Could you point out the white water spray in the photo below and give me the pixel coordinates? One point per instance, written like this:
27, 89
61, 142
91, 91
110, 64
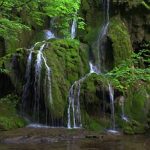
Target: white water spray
123, 116
74, 106
111, 94
49, 34
73, 28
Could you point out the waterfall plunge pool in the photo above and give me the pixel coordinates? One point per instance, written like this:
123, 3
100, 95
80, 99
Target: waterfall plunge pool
64, 139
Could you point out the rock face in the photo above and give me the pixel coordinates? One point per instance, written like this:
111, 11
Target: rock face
120, 39
128, 29
136, 17
68, 61
91, 11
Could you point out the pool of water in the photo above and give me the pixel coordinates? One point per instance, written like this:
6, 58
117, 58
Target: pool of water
125, 143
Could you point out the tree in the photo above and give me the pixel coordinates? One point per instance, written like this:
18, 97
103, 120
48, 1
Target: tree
12, 18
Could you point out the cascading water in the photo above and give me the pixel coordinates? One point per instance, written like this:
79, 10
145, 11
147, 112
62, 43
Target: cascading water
35, 83
101, 66
111, 94
27, 78
48, 80
123, 116
102, 36
49, 34
100, 49
73, 28
93, 68
74, 103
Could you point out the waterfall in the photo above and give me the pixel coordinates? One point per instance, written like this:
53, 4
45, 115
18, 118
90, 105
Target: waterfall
73, 28
40, 59
39, 100
48, 73
93, 68
27, 78
74, 104
37, 84
101, 56
74, 111
49, 34
102, 36
111, 94
123, 116
100, 49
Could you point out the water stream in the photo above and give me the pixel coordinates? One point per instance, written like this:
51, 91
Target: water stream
98, 68
38, 84
111, 94
99, 46
73, 28
74, 104
102, 56
123, 116
74, 113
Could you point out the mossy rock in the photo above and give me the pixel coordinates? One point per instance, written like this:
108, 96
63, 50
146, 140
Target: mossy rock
68, 60
9, 119
120, 38
94, 123
133, 127
93, 84
136, 108
12, 69
92, 13
136, 104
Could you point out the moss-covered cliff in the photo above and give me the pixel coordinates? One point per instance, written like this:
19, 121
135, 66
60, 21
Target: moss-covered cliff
68, 59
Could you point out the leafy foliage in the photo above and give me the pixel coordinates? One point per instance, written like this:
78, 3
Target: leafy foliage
64, 12
131, 71
9, 29
17, 15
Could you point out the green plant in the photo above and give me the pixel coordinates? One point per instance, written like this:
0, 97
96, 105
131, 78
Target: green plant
130, 72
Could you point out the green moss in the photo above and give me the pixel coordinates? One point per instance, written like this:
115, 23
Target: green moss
136, 109
67, 64
22, 40
93, 15
8, 115
135, 105
94, 123
13, 66
91, 86
133, 127
92, 34
121, 43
